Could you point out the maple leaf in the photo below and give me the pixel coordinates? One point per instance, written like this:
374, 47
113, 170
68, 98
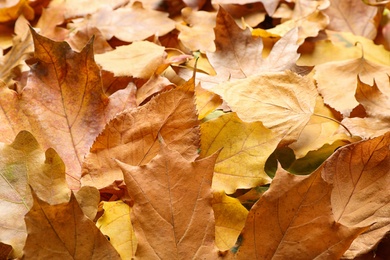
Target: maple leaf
282, 101
172, 196
63, 231
352, 16
345, 77
238, 54
115, 223
131, 136
360, 176
246, 147
291, 217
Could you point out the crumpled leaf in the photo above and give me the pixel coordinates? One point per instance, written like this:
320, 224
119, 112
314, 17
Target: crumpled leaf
230, 216
172, 198
132, 136
291, 217
139, 59
115, 223
246, 147
282, 101
129, 24
360, 174
62, 231
353, 16
238, 54
197, 25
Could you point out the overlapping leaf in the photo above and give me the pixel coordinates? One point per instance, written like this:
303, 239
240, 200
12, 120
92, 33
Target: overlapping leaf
131, 137
245, 149
172, 198
282, 101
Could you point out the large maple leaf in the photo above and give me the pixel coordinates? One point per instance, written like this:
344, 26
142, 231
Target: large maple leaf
172, 198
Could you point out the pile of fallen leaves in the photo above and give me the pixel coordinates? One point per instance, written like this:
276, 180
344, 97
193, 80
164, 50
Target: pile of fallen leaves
194, 129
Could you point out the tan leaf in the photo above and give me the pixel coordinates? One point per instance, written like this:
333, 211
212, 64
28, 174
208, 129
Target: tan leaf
172, 198
282, 101
269, 5
197, 25
76, 8
130, 23
140, 59
206, 101
88, 199
353, 16
63, 232
246, 147
338, 90
376, 101
131, 137
291, 217
239, 55
367, 127
360, 174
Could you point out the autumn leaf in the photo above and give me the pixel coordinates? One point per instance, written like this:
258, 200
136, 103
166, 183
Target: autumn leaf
132, 136
345, 77
282, 101
173, 195
235, 60
132, 23
139, 59
115, 223
360, 175
245, 149
198, 25
291, 217
230, 216
351, 16
11, 10
62, 231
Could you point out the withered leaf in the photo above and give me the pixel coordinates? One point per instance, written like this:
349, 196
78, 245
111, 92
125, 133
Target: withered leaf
172, 198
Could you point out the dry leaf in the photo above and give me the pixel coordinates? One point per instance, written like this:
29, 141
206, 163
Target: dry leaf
360, 174
129, 24
269, 5
197, 25
131, 137
339, 90
353, 16
140, 59
245, 149
282, 101
115, 223
230, 218
10, 10
291, 217
63, 232
172, 198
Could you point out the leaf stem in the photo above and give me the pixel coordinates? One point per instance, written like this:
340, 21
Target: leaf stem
334, 120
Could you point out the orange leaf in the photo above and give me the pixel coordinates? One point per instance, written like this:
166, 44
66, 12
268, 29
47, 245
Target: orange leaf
172, 198
131, 137
360, 174
63, 232
291, 218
